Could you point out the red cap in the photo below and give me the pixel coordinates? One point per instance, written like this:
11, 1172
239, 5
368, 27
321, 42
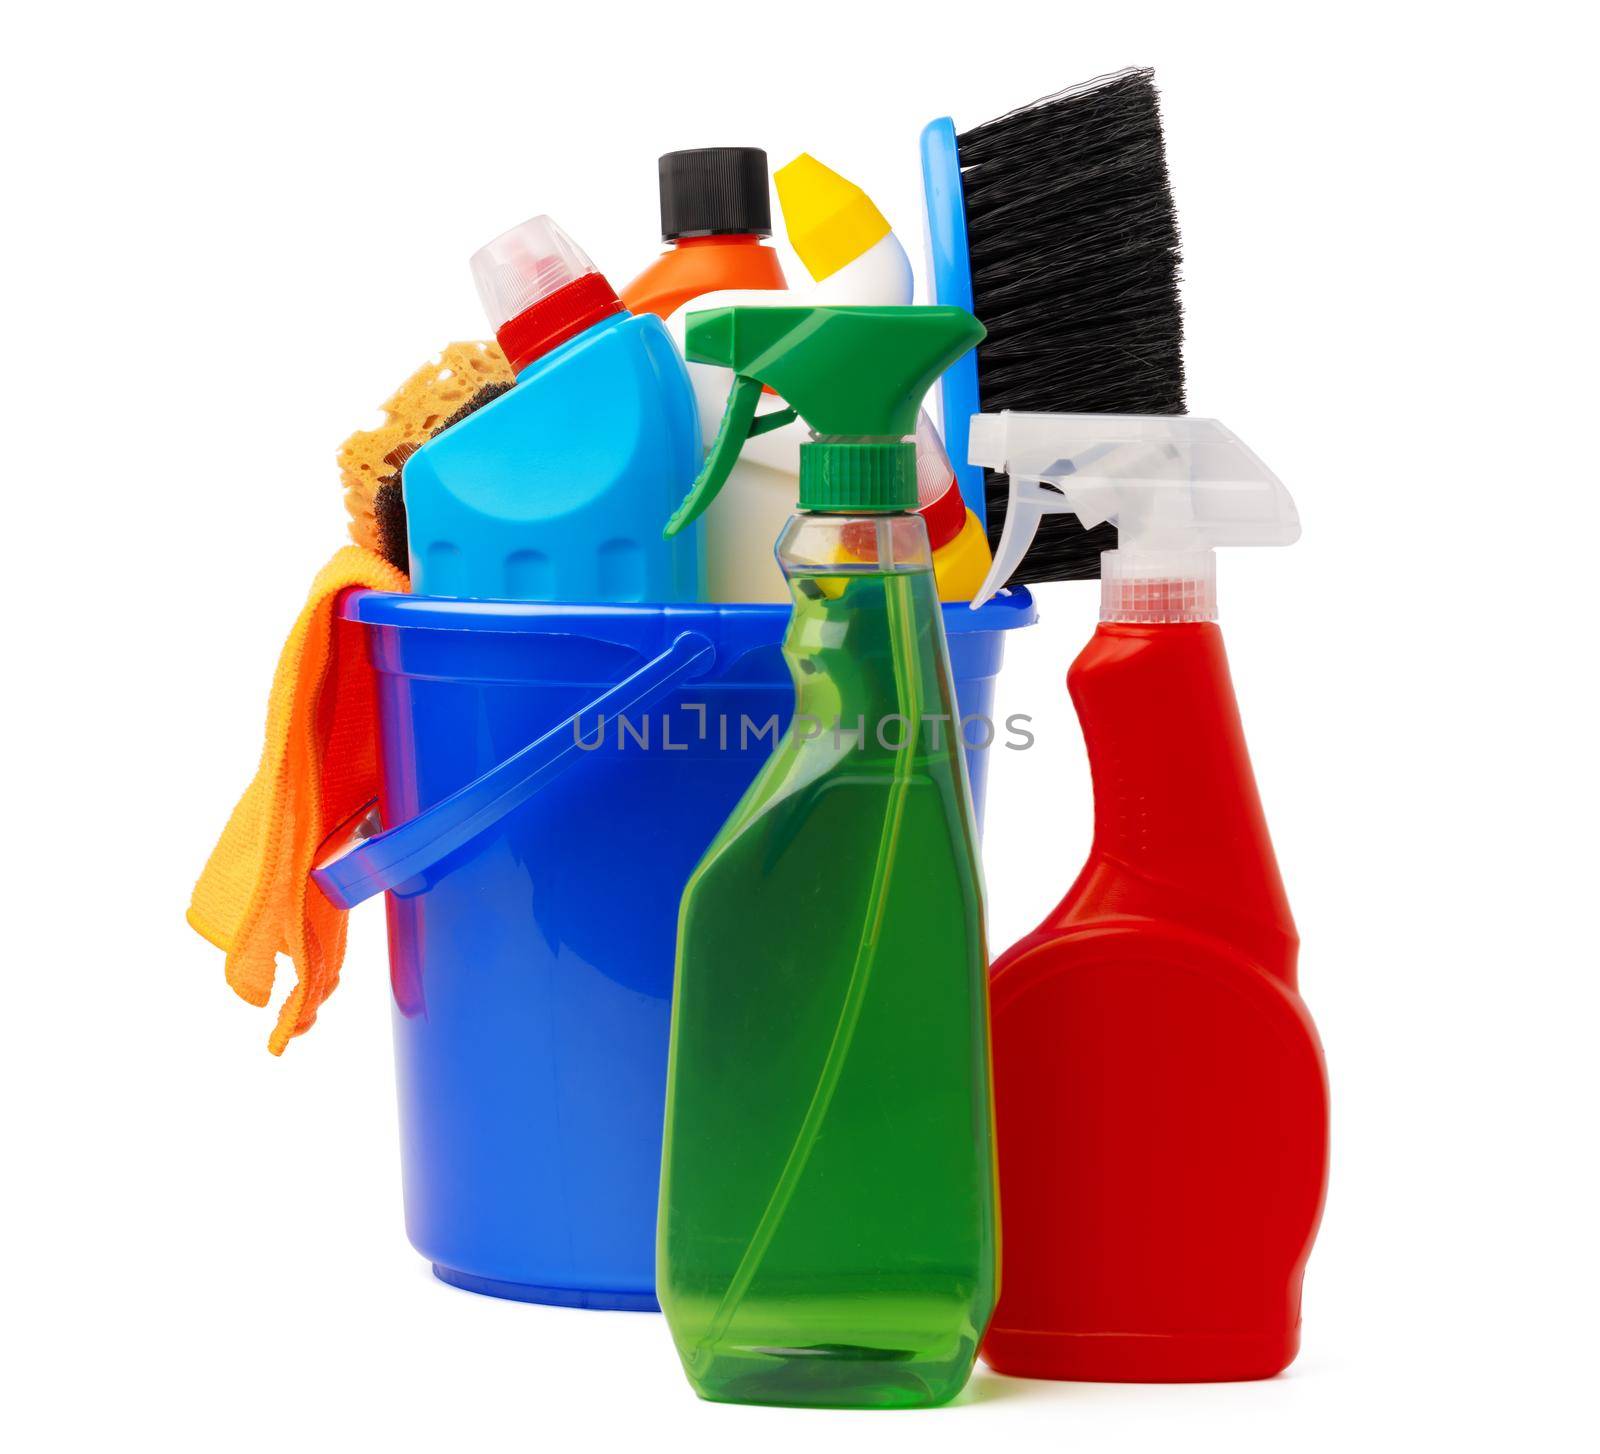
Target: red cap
539, 289
939, 500
945, 517
552, 321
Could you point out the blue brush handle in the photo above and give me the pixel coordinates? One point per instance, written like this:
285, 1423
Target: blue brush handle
399, 859
950, 276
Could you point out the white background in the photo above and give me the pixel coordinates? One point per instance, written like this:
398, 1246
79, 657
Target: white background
233, 229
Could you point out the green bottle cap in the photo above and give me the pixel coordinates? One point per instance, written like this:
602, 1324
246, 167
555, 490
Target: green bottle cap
857, 376
858, 478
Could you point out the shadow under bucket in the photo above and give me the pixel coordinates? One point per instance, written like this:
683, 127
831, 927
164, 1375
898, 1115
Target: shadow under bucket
534, 873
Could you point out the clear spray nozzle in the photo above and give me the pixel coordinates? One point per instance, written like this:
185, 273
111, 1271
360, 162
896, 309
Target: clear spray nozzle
1175, 486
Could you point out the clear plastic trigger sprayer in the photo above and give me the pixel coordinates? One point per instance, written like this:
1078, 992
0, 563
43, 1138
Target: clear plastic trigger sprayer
1175, 486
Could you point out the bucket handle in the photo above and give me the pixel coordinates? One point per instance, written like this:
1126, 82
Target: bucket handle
398, 860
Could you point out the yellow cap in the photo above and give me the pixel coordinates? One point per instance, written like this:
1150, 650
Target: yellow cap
830, 221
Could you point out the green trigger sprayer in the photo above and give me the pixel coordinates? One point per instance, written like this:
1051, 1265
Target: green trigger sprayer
827, 1227
857, 376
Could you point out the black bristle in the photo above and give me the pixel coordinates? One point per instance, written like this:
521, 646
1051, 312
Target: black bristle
389, 516
485, 395
389, 503
1072, 239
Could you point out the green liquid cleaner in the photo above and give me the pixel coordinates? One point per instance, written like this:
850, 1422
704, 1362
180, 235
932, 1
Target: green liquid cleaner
828, 1217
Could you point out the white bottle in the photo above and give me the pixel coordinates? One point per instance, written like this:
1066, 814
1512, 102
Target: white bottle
854, 259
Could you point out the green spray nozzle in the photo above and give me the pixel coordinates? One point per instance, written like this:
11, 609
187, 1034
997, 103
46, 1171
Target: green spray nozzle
857, 376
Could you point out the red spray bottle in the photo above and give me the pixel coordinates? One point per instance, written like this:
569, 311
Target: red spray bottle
1161, 1104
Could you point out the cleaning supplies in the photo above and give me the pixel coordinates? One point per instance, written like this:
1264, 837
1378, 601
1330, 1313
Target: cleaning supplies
827, 1226
1160, 1099
553, 491
853, 258
1055, 225
714, 214
462, 379
318, 772
961, 557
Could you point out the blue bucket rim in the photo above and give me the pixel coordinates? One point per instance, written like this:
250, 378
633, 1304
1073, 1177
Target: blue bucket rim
1004, 612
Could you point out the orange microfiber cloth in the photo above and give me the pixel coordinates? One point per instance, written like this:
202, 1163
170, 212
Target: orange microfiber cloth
319, 769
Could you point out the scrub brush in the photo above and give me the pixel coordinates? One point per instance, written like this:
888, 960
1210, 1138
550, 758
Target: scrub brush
1055, 225
462, 379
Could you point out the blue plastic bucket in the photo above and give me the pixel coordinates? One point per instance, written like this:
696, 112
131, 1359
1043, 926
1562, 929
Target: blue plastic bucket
534, 873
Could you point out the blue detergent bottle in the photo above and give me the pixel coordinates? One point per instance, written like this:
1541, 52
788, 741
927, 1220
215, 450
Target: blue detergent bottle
556, 490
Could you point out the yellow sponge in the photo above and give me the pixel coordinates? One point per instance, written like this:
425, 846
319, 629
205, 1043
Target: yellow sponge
830, 221
371, 458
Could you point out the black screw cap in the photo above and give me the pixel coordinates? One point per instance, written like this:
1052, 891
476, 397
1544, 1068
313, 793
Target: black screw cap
715, 189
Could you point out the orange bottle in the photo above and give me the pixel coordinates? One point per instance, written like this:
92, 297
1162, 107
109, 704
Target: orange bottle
715, 211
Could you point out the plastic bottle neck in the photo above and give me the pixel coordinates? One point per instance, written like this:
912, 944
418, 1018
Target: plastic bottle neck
1158, 587
832, 543
1179, 830
716, 239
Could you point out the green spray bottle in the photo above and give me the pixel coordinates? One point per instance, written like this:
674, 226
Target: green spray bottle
827, 1233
